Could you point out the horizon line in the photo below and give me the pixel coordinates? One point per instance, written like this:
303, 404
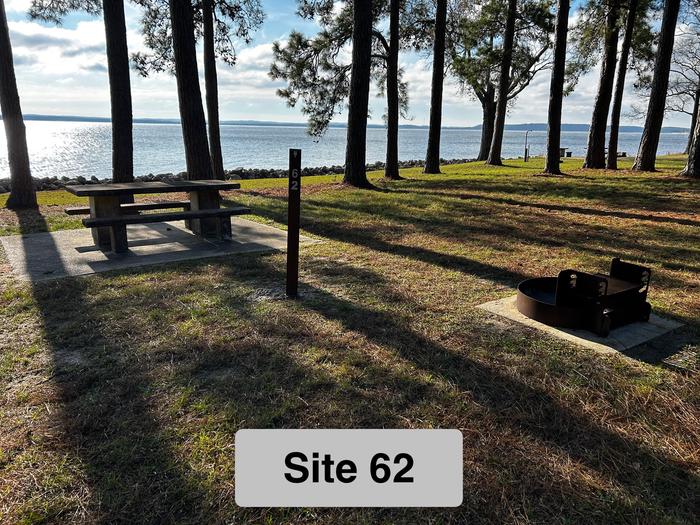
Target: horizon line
253, 122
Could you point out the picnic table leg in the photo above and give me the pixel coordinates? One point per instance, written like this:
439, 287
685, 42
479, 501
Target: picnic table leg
205, 200
224, 228
103, 206
117, 238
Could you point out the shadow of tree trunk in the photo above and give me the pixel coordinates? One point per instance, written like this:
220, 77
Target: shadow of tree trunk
106, 418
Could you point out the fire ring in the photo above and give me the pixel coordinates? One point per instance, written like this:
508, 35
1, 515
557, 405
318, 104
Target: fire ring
581, 300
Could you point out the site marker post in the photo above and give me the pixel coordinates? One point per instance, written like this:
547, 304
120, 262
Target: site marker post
294, 210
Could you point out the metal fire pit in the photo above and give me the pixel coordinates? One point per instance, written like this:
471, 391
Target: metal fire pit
594, 302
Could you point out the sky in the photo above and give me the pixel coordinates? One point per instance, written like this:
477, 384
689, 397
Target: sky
62, 71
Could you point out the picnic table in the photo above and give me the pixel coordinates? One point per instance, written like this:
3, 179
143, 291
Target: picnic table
109, 215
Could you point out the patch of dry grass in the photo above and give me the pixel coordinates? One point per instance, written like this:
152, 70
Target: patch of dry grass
122, 392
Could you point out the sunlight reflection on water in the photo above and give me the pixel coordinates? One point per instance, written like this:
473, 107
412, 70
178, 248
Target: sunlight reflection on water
83, 148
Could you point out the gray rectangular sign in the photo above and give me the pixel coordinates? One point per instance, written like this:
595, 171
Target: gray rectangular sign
349, 468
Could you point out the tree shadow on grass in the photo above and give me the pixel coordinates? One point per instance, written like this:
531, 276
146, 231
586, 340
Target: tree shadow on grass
649, 485
524, 204
578, 209
371, 239
106, 421
581, 210
495, 233
317, 220
451, 223
514, 432
617, 196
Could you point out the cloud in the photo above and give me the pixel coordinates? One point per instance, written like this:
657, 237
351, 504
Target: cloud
62, 70
17, 6
23, 60
255, 58
61, 52
95, 68
87, 50
36, 40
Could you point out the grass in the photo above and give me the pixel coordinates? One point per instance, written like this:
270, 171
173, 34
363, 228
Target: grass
123, 391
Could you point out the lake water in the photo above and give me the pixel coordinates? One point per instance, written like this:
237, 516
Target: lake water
82, 148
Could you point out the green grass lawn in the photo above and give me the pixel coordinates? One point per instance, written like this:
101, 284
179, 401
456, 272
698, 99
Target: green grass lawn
122, 391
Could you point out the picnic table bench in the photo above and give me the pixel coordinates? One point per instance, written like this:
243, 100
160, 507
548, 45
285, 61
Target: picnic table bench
109, 216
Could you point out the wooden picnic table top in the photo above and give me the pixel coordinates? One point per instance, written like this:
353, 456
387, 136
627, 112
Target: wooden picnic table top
131, 188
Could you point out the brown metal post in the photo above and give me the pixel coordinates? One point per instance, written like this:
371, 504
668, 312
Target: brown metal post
294, 210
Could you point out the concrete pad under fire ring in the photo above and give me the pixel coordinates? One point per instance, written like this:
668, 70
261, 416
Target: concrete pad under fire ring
619, 340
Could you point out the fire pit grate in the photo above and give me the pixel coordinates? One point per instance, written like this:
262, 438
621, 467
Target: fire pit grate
594, 302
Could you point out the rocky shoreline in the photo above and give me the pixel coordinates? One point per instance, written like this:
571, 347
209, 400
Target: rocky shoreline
57, 183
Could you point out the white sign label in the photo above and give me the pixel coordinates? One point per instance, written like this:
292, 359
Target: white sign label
349, 468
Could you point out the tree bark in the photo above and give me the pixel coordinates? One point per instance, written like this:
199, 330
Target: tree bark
556, 89
595, 154
693, 120
356, 149
692, 169
620, 84
432, 156
212, 89
194, 128
22, 192
488, 109
646, 156
391, 169
494, 157
119, 91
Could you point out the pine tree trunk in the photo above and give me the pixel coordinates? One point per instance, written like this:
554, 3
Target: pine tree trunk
119, 91
556, 90
22, 192
620, 85
355, 151
391, 169
432, 156
194, 128
212, 89
595, 154
692, 169
646, 156
694, 120
488, 109
494, 157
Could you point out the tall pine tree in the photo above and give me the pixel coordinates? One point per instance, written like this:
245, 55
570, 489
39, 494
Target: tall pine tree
222, 24
646, 156
194, 130
556, 90
118, 71
432, 156
494, 157
22, 192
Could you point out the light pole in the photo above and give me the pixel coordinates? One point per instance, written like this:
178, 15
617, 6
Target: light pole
527, 151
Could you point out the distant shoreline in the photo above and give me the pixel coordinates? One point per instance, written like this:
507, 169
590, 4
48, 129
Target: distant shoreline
537, 126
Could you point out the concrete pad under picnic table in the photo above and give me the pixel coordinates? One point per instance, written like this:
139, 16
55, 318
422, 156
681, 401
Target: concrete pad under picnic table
619, 340
40, 256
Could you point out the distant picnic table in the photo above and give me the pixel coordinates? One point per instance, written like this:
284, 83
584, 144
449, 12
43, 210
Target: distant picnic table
109, 215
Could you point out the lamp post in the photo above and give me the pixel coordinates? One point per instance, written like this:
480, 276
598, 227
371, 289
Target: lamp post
527, 151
